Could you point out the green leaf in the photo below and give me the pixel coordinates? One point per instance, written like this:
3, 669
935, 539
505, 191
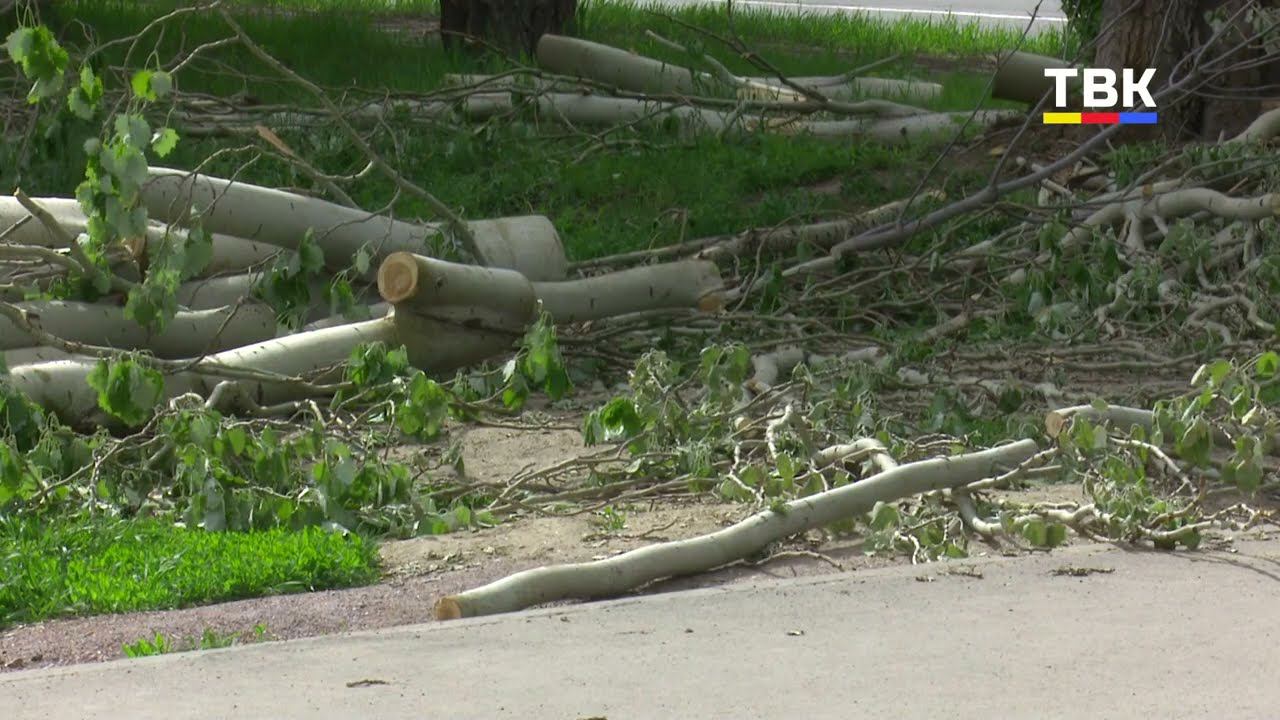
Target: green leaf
84, 98
141, 84
362, 260
20, 44
164, 141
310, 256
154, 302
621, 419
237, 439
884, 516
161, 83
1036, 532
134, 131
1267, 365
1055, 535
126, 389
424, 412
42, 59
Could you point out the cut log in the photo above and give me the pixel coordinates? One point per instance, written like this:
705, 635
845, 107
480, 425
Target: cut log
618, 574
604, 111
902, 130
838, 87
463, 294
469, 295
620, 69
1020, 77
188, 334
686, 284
280, 218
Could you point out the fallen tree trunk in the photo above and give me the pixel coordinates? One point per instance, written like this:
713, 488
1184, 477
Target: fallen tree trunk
62, 386
1055, 421
619, 68
605, 111
839, 87
230, 254
624, 572
529, 244
498, 298
903, 130
188, 334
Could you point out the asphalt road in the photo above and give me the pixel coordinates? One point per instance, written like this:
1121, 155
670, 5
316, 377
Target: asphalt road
984, 11
1136, 635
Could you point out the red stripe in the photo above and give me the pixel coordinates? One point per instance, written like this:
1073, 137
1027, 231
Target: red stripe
1099, 118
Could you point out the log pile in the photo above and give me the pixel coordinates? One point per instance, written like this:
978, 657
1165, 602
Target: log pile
447, 314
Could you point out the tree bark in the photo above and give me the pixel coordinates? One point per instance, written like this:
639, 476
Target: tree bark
1161, 33
620, 573
1234, 99
1156, 34
511, 25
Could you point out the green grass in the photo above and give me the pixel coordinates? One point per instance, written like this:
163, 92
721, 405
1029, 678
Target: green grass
71, 567
766, 28
210, 639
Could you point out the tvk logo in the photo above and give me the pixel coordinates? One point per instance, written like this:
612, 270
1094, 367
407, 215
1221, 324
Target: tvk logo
1099, 90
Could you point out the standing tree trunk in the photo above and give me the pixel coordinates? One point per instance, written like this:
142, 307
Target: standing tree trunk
1152, 34
511, 25
1160, 33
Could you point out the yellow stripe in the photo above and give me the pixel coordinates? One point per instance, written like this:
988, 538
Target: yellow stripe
1060, 118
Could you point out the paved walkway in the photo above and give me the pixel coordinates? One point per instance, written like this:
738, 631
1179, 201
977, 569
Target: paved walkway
1159, 635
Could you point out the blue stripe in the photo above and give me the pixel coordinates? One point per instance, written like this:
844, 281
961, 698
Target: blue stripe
1138, 118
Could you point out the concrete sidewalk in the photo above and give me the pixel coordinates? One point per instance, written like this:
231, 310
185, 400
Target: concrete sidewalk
1191, 635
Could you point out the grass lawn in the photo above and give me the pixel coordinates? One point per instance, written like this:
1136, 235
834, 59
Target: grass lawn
73, 567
